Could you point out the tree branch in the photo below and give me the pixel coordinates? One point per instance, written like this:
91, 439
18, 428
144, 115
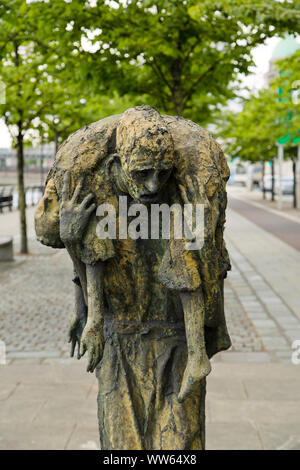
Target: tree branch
160, 73
188, 93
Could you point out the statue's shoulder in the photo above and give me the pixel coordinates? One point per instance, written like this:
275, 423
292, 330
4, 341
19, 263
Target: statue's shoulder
197, 152
83, 151
85, 148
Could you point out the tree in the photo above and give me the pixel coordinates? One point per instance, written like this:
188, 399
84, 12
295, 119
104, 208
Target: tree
184, 57
287, 85
251, 134
22, 70
40, 97
267, 118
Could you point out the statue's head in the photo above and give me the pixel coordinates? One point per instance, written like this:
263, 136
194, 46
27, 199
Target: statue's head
47, 217
146, 152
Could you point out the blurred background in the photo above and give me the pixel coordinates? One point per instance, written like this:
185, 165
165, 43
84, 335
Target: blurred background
231, 66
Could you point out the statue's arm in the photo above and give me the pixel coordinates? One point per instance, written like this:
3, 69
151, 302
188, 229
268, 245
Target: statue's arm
198, 365
203, 302
92, 338
74, 218
80, 317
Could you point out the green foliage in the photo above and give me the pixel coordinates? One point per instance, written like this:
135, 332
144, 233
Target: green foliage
287, 86
181, 56
47, 95
21, 67
250, 133
184, 57
271, 114
71, 112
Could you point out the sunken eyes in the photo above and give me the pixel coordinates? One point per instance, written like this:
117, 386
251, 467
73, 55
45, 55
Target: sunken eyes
142, 175
163, 174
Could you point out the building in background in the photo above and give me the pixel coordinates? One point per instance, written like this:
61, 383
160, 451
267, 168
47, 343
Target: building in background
37, 163
35, 158
285, 48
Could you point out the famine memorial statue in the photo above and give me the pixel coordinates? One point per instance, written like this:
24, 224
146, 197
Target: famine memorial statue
149, 306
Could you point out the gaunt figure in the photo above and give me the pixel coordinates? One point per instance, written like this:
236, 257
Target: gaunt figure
149, 311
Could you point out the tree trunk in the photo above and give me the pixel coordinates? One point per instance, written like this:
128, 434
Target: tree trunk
21, 191
273, 181
20, 151
177, 102
177, 96
56, 143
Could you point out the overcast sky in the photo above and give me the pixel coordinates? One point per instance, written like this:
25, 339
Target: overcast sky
261, 54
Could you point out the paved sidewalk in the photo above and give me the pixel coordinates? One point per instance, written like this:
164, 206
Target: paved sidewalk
266, 279
249, 406
49, 406
253, 406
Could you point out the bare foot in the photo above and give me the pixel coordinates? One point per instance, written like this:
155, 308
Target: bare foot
194, 372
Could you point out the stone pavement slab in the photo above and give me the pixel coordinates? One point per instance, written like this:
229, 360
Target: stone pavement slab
44, 406
278, 389
258, 411
222, 436
249, 406
285, 436
25, 436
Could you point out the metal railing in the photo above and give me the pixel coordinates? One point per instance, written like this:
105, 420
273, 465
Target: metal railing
9, 196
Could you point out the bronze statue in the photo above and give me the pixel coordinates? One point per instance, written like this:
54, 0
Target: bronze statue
149, 312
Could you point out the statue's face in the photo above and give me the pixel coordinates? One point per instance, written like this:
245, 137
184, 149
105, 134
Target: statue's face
146, 151
47, 217
49, 205
145, 180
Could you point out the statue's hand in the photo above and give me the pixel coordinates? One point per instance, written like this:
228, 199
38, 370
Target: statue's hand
195, 371
75, 333
191, 191
92, 342
74, 216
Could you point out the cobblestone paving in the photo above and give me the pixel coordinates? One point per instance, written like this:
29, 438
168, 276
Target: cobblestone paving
36, 305
243, 335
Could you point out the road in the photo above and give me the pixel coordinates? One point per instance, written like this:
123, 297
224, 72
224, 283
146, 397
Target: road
286, 230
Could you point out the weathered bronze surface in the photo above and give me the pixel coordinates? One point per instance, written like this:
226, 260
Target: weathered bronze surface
149, 312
